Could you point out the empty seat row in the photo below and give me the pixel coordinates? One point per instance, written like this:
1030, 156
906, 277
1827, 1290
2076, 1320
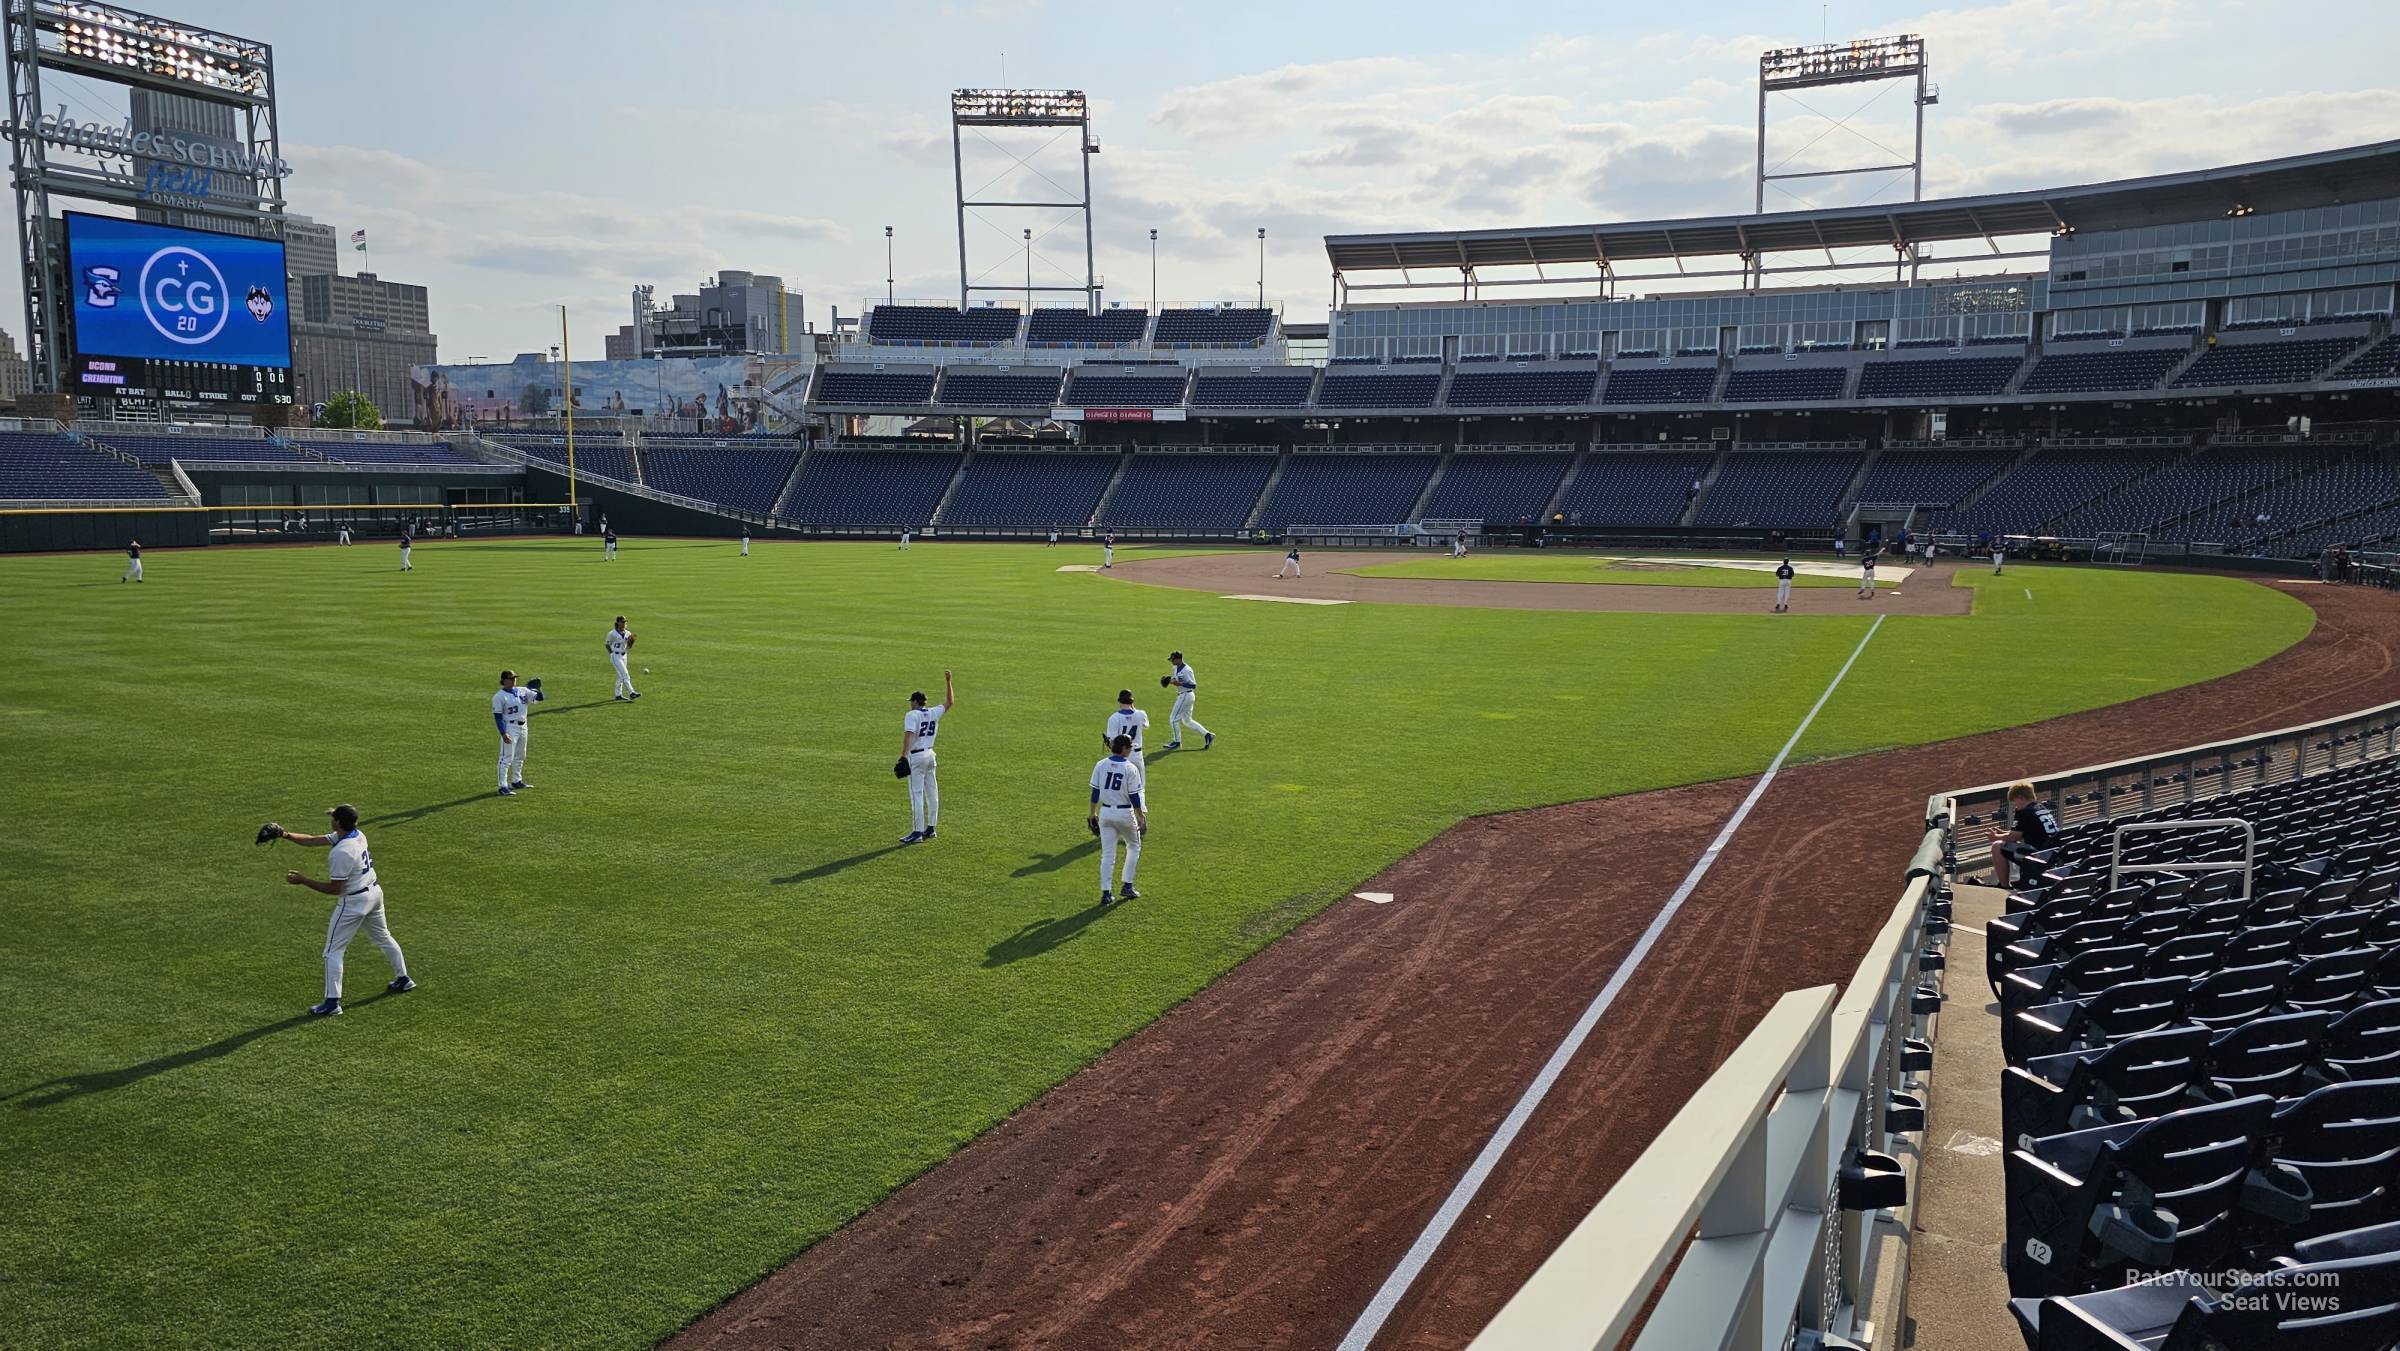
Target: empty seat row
1002, 488
912, 324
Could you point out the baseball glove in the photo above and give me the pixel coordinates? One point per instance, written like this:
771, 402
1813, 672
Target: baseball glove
1093, 822
900, 768
1164, 681
267, 832
534, 684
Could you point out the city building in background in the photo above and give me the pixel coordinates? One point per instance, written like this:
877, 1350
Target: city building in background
13, 377
736, 313
349, 332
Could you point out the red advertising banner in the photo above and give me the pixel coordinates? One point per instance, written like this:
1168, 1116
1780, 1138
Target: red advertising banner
1116, 414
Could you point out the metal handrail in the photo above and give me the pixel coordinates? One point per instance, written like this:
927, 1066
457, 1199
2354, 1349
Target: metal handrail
2117, 865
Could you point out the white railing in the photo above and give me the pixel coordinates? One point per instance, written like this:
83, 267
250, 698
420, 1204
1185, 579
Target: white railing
2118, 867
643, 490
2180, 777
1775, 1171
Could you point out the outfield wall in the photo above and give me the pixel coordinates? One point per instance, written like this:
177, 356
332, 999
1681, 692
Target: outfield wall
58, 530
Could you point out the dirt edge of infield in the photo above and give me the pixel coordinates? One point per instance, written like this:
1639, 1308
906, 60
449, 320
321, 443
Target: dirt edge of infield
1247, 1169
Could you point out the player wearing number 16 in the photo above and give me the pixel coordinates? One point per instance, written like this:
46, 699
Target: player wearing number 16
1118, 817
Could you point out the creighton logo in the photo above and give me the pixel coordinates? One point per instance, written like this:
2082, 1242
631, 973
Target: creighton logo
183, 295
100, 287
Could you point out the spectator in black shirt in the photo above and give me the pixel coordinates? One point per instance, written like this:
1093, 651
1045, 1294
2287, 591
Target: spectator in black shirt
2035, 829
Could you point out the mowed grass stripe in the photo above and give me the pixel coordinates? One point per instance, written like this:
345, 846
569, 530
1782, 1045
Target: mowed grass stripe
684, 1009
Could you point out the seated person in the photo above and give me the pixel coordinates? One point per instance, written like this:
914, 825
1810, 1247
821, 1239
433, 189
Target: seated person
2035, 829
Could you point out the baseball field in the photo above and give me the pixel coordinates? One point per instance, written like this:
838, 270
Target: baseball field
686, 1005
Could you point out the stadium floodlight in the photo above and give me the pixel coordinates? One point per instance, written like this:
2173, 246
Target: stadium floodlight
1002, 110
1782, 70
146, 49
1020, 107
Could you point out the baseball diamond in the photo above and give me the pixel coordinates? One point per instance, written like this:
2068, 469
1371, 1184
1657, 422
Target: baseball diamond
1810, 762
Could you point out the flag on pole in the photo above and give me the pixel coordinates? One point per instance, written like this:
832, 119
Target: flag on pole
358, 240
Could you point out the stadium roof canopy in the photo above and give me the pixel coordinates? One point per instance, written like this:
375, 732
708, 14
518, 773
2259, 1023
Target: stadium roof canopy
2324, 178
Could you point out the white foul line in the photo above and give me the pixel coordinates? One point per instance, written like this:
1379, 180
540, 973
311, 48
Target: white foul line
1387, 1298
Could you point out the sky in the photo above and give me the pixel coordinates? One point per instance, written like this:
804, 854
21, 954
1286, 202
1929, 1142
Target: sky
516, 157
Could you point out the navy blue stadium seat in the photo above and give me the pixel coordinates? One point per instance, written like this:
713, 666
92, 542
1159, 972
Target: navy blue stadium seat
44, 466
1212, 328
898, 488
1343, 389
1125, 391
938, 324
1074, 328
1264, 389
2115, 369
375, 452
2265, 363
1194, 491
848, 388
1671, 384
1497, 487
1355, 489
1937, 378
745, 479
1559, 388
1632, 488
1030, 489
1788, 488
1792, 384
601, 457
2378, 362
1933, 476
1017, 389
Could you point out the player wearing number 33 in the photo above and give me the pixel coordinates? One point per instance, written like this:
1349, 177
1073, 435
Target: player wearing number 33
1118, 817
358, 902
509, 713
917, 730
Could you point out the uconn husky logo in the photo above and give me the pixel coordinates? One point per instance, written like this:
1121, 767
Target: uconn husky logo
183, 295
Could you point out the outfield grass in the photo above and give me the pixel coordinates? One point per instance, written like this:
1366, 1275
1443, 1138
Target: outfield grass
1588, 568
685, 1008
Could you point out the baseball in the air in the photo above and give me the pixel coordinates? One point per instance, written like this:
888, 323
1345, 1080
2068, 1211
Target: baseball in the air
645, 670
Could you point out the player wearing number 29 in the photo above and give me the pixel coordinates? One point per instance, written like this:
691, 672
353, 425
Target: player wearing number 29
917, 729
1187, 691
620, 646
1118, 817
358, 903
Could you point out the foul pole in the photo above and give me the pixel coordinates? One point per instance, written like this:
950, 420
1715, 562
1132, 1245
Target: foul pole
566, 361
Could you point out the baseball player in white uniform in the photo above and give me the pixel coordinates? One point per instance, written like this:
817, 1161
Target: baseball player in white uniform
1999, 556
620, 646
509, 713
745, 541
1187, 689
904, 536
133, 562
345, 534
405, 565
1291, 563
917, 731
358, 904
608, 544
1108, 550
1127, 721
1866, 574
1783, 586
1118, 817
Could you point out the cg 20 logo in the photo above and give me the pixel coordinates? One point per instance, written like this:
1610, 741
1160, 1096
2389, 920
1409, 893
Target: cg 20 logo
186, 304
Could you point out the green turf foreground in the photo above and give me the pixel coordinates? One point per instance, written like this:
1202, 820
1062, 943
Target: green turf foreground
1545, 566
685, 1006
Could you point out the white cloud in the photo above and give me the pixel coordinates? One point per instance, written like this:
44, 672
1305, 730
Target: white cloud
1255, 105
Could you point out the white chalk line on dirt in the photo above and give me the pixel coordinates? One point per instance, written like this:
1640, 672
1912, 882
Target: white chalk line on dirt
1395, 1286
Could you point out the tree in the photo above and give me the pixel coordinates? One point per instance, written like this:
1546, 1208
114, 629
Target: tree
349, 408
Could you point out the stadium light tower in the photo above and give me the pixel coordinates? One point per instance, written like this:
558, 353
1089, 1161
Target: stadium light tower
1858, 61
1056, 111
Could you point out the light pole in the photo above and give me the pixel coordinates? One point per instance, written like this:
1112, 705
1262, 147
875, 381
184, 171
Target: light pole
887, 264
1262, 267
1154, 269
1029, 270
